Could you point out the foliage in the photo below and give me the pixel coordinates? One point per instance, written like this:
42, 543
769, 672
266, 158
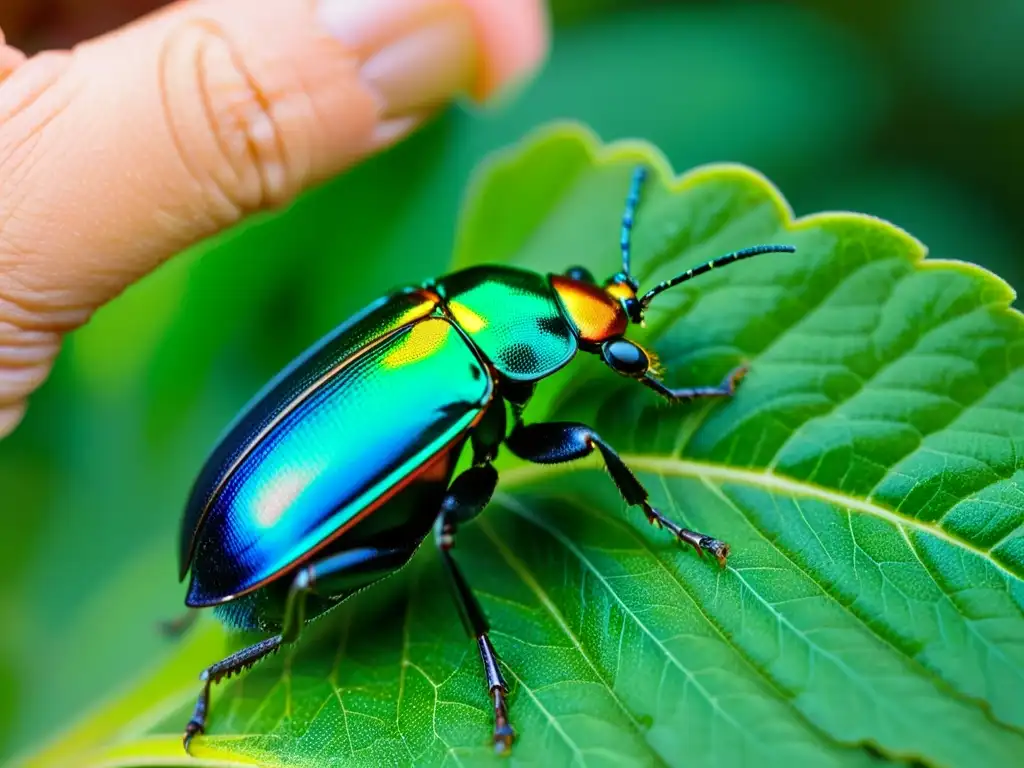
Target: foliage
866, 475
908, 109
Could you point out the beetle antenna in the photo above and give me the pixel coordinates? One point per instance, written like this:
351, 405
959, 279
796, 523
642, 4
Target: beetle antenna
628, 216
721, 261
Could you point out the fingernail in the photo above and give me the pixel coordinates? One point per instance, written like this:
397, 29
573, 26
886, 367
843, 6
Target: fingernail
388, 132
416, 55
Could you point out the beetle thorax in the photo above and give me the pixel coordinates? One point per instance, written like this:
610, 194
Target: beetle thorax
597, 315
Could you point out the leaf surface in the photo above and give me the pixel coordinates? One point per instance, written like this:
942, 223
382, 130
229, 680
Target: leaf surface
867, 476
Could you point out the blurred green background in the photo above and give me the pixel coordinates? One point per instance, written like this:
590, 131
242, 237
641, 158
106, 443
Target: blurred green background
912, 110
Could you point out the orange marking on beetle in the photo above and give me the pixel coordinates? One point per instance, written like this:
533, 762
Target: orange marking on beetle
620, 291
596, 314
438, 470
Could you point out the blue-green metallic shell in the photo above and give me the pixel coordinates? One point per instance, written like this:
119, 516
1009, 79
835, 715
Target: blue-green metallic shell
403, 520
338, 450
238, 439
513, 316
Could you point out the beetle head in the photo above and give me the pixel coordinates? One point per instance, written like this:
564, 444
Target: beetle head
623, 287
602, 314
627, 357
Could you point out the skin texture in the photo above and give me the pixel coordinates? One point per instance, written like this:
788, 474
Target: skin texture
188, 119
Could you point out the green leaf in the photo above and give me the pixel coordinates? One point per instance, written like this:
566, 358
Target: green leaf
867, 475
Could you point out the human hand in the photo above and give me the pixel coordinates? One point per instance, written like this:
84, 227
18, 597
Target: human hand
128, 148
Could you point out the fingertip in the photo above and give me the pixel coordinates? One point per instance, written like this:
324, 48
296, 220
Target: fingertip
514, 36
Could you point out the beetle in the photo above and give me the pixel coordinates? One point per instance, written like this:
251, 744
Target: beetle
333, 475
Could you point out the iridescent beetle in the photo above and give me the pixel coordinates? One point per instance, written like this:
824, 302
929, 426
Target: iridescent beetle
335, 473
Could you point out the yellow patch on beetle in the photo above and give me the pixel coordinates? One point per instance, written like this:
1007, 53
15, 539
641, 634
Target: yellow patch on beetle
467, 319
421, 341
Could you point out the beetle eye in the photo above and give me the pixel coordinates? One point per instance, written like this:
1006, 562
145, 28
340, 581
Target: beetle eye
580, 273
625, 357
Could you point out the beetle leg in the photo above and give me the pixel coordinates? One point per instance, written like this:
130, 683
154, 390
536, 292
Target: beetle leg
489, 433
518, 395
340, 572
553, 443
726, 389
467, 496
478, 627
236, 662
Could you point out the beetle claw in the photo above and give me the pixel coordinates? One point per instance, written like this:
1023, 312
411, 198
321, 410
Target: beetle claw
653, 516
699, 541
503, 737
503, 733
191, 730
717, 548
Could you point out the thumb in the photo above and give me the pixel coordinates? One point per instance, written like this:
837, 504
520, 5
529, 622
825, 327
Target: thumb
129, 148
